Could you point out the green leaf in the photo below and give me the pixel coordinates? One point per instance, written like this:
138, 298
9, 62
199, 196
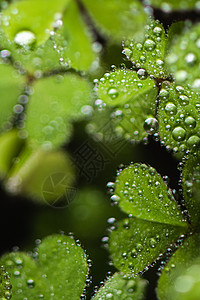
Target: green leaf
133, 100
5, 286
183, 58
178, 269
179, 122
55, 103
149, 54
117, 19
78, 51
30, 22
169, 5
141, 192
45, 176
191, 188
137, 243
119, 288
11, 86
58, 273
10, 145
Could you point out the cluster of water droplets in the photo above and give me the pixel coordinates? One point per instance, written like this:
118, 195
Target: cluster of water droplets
149, 54
179, 118
183, 58
5, 285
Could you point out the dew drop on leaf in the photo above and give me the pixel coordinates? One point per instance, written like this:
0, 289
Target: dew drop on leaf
25, 38
179, 134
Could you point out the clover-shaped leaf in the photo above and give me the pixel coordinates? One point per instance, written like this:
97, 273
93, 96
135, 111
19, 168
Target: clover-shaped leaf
149, 54
180, 275
179, 121
119, 288
55, 103
5, 285
155, 221
11, 85
58, 272
191, 188
132, 97
183, 57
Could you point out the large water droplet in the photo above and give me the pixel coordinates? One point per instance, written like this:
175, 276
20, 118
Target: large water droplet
25, 38
179, 134
171, 108
113, 93
149, 45
151, 125
190, 122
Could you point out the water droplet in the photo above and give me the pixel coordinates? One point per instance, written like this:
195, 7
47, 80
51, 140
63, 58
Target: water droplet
115, 198
113, 93
178, 134
190, 59
193, 141
149, 45
30, 283
139, 247
152, 243
151, 125
190, 122
134, 253
25, 38
157, 31
171, 108
164, 94
141, 73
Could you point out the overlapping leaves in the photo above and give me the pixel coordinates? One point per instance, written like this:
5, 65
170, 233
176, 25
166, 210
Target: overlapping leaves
155, 223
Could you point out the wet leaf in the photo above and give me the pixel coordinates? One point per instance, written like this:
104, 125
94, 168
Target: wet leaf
137, 243
45, 176
149, 54
119, 288
141, 192
183, 58
180, 275
11, 85
133, 102
5, 285
55, 103
179, 121
169, 5
117, 19
191, 188
30, 22
59, 272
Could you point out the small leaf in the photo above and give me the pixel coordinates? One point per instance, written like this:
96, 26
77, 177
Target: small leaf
117, 19
172, 277
133, 100
179, 121
55, 103
30, 22
183, 58
191, 188
58, 273
142, 193
119, 288
169, 5
45, 176
137, 243
149, 54
5, 285
11, 86
78, 52
10, 145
